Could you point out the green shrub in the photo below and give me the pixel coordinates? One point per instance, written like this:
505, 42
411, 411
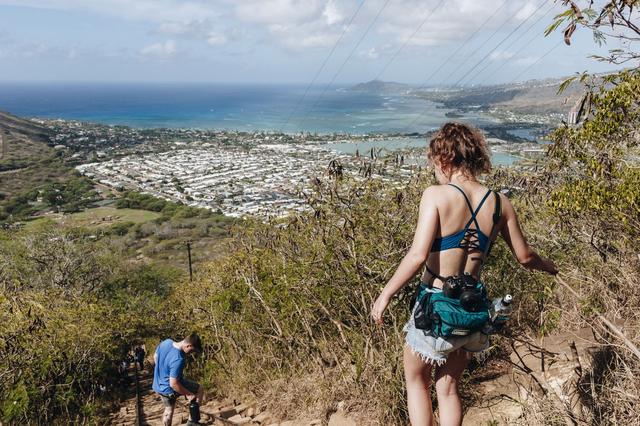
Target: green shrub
70, 309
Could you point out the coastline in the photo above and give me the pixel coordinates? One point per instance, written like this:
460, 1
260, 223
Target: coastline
239, 173
259, 170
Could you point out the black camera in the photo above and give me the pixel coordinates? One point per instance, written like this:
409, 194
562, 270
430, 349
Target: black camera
465, 288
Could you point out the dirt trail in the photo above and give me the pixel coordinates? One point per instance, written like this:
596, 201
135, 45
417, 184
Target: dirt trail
214, 412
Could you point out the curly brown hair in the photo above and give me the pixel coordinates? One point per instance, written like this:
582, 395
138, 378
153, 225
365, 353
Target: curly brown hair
460, 146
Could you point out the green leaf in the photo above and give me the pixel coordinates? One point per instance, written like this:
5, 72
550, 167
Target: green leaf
563, 86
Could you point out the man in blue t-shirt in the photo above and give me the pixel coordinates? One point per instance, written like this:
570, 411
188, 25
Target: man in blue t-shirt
169, 361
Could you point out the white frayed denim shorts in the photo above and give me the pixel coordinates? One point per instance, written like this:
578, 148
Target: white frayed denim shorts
433, 349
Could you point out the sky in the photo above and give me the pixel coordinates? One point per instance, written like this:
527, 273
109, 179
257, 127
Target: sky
429, 42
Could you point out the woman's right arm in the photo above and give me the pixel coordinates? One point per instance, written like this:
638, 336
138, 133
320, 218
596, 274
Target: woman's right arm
512, 234
417, 255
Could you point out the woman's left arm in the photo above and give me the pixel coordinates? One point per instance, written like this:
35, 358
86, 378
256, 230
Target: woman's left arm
417, 255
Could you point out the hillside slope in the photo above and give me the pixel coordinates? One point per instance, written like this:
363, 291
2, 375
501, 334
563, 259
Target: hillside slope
10, 123
27, 159
23, 143
533, 97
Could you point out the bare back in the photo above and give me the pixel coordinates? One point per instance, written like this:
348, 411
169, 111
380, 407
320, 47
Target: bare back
453, 214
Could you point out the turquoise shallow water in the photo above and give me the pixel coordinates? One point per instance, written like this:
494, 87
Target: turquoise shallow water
235, 107
225, 106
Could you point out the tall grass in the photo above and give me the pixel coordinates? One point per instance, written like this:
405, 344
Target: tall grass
286, 313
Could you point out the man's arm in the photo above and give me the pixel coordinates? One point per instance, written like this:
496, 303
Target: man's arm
177, 386
175, 371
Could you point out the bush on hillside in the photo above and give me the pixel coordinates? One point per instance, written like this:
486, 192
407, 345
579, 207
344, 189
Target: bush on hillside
70, 309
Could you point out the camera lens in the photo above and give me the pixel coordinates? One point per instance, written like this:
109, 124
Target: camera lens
452, 287
471, 300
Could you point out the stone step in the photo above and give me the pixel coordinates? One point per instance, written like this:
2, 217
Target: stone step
239, 419
262, 418
225, 412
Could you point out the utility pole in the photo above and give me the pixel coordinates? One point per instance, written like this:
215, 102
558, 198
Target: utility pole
190, 267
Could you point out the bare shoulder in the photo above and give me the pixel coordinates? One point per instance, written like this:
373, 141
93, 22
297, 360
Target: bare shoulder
507, 207
435, 190
434, 193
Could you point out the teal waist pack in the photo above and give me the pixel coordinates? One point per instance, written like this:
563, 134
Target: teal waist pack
444, 316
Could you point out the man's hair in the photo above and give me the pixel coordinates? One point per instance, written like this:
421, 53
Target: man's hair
460, 146
194, 339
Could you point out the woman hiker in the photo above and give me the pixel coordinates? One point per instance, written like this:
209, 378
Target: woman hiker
458, 221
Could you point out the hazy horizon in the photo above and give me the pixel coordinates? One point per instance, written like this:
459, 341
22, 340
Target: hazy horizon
287, 41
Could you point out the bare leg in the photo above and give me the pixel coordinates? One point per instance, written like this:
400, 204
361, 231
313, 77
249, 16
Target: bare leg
447, 377
167, 417
200, 395
418, 377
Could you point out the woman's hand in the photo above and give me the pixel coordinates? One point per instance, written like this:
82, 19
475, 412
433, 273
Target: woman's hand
379, 307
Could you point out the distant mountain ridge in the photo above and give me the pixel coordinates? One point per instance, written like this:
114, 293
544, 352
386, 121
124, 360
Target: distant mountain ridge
10, 124
529, 97
27, 158
532, 96
379, 86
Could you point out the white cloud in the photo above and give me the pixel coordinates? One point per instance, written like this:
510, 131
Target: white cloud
15, 48
31, 50
372, 53
160, 50
175, 28
297, 24
501, 55
526, 10
296, 38
292, 12
216, 39
206, 31
332, 13
452, 20
526, 61
146, 10
301, 24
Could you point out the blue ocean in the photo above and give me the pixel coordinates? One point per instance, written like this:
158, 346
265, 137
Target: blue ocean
225, 106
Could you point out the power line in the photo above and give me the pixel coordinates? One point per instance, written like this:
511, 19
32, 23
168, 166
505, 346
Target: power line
460, 47
499, 44
463, 44
333, 79
415, 120
536, 62
408, 40
324, 63
506, 49
404, 44
486, 41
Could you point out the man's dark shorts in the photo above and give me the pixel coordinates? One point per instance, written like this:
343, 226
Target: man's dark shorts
170, 400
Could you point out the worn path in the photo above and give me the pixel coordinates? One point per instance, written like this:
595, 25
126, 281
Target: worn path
214, 412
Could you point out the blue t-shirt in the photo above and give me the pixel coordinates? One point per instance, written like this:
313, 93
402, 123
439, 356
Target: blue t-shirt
169, 364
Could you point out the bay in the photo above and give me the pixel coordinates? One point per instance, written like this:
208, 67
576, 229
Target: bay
246, 107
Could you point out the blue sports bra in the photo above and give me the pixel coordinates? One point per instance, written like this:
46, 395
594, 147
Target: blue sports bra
467, 238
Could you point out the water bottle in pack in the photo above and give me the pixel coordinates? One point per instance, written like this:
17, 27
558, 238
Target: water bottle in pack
501, 310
